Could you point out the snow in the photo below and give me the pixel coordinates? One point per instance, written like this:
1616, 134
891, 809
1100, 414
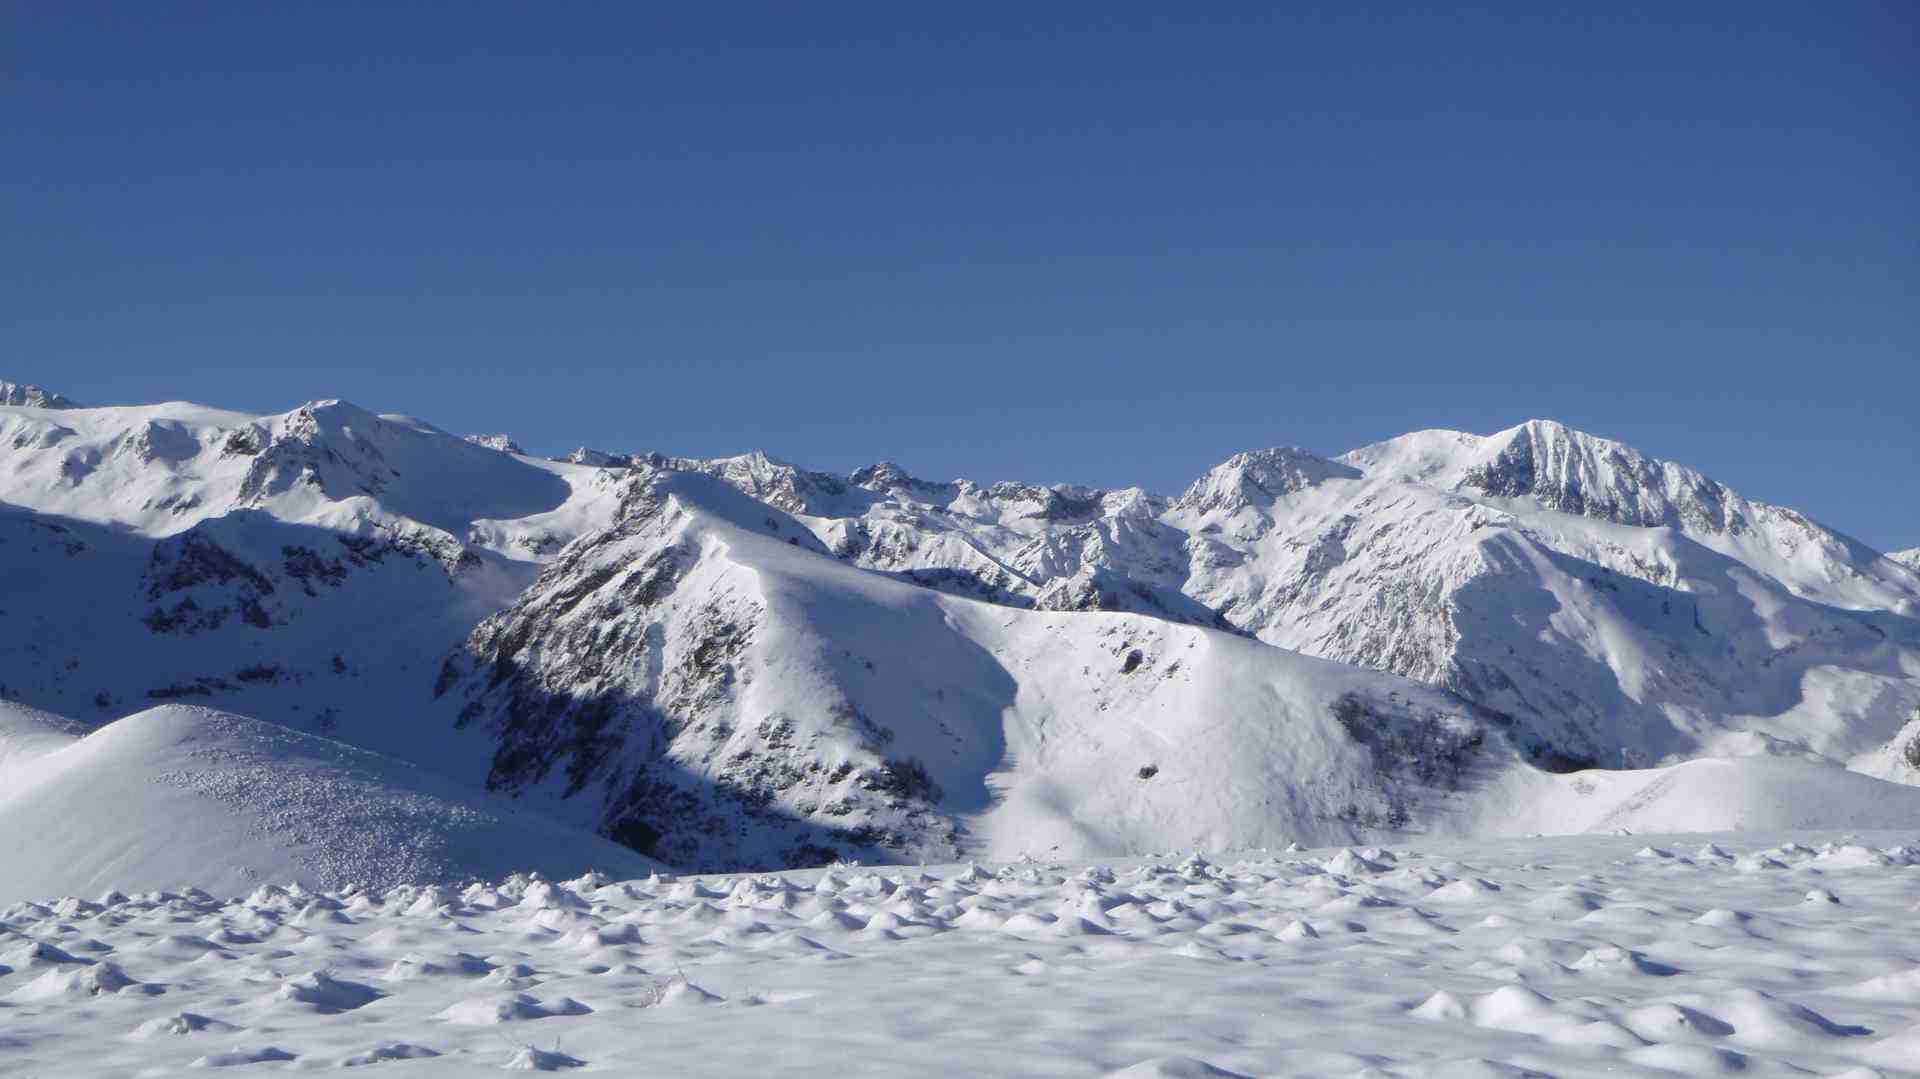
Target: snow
1763, 954
181, 797
1761, 794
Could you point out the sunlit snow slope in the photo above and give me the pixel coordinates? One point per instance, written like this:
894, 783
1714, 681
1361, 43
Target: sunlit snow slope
178, 797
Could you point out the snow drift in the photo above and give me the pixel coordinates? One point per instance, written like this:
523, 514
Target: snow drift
178, 797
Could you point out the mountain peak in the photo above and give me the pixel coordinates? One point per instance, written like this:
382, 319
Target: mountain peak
22, 395
1257, 477
586, 455
883, 476
502, 442
1574, 472
760, 475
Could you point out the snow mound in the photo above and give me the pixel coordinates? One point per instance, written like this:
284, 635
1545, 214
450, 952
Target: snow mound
180, 795
1707, 795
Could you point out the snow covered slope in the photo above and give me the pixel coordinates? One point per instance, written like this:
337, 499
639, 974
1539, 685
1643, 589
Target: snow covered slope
179, 797
1909, 558
27, 735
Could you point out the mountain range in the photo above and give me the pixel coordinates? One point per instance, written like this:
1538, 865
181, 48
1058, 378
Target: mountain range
740, 663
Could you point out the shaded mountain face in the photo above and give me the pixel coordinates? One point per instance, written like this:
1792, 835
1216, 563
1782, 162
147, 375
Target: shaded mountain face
739, 662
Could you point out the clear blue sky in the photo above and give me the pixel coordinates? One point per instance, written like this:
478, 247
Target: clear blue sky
1089, 244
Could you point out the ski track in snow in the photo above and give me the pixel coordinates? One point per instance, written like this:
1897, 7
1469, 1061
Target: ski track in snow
1581, 956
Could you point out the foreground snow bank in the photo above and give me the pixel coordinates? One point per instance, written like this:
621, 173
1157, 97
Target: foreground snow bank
180, 796
1713, 794
1566, 957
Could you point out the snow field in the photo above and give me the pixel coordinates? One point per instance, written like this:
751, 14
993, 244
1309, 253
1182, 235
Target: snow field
1588, 956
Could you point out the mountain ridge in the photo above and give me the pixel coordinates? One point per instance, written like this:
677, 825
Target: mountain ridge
701, 657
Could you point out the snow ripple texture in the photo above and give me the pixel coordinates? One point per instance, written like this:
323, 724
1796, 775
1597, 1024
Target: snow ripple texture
1565, 957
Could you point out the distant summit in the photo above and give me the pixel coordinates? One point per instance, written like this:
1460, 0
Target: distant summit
503, 443
20, 394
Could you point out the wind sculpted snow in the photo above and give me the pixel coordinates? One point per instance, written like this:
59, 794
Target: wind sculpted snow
1761, 955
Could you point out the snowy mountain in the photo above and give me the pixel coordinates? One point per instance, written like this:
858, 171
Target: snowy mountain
705, 683
741, 663
15, 393
1908, 558
309, 568
1623, 610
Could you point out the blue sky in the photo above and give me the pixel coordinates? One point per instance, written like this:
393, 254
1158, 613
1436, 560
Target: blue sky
1090, 244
